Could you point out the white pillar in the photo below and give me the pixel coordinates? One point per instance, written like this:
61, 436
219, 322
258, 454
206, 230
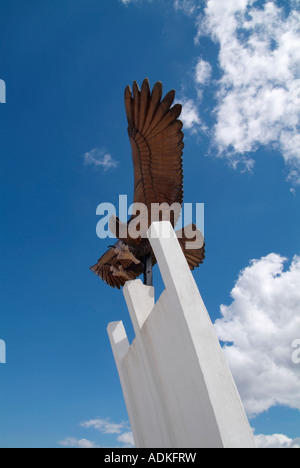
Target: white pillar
177, 386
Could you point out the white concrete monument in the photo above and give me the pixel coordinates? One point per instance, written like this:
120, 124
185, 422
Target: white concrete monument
177, 386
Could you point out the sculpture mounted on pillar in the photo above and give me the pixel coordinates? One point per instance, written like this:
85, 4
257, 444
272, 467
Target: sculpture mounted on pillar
156, 138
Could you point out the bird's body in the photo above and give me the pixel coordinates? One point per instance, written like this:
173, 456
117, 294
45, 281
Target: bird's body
156, 140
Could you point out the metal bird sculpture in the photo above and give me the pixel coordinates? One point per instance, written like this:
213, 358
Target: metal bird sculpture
156, 138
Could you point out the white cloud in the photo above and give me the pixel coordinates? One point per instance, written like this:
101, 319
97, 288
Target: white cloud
203, 72
259, 92
276, 441
187, 6
259, 328
190, 114
126, 439
106, 426
77, 443
99, 158
127, 2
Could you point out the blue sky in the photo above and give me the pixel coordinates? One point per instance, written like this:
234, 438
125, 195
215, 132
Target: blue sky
235, 66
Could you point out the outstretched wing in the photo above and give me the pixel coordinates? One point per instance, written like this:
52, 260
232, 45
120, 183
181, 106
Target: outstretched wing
114, 271
192, 243
157, 143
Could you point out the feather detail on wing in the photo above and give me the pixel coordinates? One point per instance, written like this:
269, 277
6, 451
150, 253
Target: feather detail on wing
115, 271
157, 143
192, 244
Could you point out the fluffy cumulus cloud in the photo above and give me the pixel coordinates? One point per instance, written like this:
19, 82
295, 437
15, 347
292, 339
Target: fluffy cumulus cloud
276, 441
259, 92
259, 328
126, 439
190, 114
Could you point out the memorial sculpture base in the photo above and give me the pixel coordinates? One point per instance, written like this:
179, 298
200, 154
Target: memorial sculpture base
177, 386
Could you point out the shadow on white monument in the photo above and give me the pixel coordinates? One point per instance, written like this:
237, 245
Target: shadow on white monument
176, 383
